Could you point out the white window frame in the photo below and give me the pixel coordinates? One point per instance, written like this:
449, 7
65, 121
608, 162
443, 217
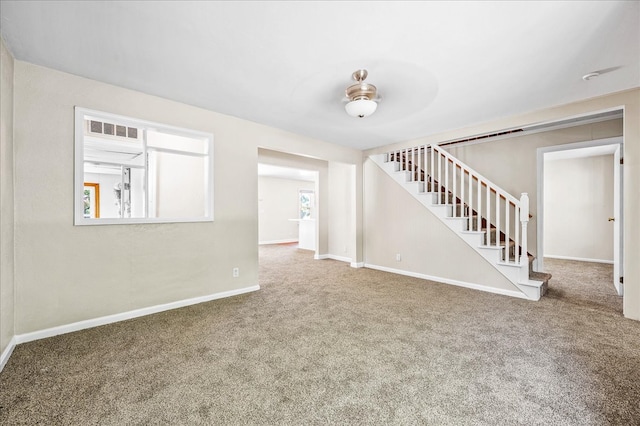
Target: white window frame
80, 117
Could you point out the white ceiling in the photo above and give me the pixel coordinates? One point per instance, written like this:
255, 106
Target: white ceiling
437, 65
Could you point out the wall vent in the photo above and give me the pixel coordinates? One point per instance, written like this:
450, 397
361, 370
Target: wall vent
111, 129
540, 127
475, 138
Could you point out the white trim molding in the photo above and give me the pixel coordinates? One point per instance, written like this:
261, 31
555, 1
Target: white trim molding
473, 286
95, 322
291, 240
578, 259
4, 357
339, 258
540, 154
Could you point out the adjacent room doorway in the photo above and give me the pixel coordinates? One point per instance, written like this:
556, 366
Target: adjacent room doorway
580, 214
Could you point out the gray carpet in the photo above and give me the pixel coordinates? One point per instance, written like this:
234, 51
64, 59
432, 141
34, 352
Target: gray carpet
323, 343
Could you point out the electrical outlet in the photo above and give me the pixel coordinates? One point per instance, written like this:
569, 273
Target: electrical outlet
398, 257
236, 272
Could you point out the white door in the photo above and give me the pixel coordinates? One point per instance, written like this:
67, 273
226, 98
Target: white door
618, 263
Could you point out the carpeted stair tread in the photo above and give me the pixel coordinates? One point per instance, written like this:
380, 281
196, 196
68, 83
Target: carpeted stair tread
539, 276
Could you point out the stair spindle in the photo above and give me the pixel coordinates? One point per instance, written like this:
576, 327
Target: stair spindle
446, 180
488, 203
498, 220
479, 211
414, 165
439, 178
462, 192
454, 191
507, 204
432, 171
524, 220
470, 202
516, 220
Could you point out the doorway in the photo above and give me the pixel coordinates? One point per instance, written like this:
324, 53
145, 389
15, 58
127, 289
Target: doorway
580, 204
287, 212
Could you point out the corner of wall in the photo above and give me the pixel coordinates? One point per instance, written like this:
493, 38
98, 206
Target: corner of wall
7, 282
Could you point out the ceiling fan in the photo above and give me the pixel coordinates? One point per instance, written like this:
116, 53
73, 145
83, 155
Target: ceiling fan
363, 97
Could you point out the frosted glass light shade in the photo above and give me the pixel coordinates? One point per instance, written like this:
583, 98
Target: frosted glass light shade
361, 108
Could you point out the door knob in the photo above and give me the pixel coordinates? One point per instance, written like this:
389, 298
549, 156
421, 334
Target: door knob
611, 219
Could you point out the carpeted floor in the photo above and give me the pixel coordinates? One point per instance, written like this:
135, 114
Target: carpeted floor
323, 343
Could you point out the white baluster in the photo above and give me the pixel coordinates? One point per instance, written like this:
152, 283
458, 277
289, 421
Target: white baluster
424, 166
439, 178
498, 219
470, 203
507, 204
454, 199
524, 219
407, 159
488, 203
479, 198
419, 165
413, 164
404, 159
433, 170
461, 192
516, 220
446, 180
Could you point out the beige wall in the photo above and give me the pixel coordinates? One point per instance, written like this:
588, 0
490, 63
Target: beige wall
278, 203
628, 100
578, 200
61, 277
7, 330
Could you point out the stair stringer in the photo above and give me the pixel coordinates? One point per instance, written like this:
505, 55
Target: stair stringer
518, 275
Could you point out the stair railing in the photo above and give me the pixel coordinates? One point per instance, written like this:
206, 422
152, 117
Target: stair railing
471, 196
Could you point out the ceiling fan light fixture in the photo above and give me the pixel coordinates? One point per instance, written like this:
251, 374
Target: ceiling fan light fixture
361, 95
361, 107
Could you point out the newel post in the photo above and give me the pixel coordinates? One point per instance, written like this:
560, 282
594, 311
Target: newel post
524, 220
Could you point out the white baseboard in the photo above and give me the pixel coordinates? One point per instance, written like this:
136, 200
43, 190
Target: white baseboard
579, 259
339, 258
474, 286
95, 322
4, 357
262, 243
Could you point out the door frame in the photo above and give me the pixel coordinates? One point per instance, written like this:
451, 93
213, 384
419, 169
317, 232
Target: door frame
618, 201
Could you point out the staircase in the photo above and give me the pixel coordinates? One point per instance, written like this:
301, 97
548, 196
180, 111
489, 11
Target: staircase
493, 222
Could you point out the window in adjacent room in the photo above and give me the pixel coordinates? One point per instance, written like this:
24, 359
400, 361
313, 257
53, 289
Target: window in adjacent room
306, 201
134, 171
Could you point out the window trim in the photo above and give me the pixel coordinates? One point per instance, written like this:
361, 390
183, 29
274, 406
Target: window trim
78, 185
